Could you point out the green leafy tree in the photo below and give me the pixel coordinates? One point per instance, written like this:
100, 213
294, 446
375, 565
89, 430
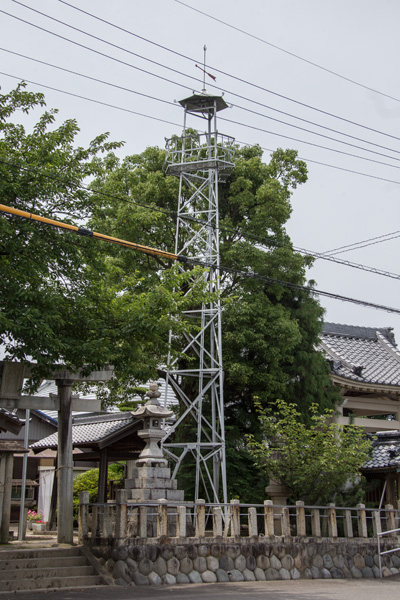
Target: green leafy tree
65, 298
318, 462
269, 330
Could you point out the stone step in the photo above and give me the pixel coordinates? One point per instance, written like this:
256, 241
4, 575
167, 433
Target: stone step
40, 553
45, 568
49, 571
41, 563
48, 582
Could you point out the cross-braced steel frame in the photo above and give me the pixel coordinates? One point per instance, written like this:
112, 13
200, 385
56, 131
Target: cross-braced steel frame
200, 161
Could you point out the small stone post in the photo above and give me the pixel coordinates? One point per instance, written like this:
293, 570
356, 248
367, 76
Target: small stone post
181, 522
332, 522
376, 522
348, 524
200, 530
285, 522
82, 516
121, 517
235, 518
142, 522
390, 520
252, 520
362, 521
162, 516
300, 518
269, 529
315, 522
217, 521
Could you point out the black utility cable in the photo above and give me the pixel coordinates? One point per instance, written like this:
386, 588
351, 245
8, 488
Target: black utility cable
221, 89
154, 252
259, 239
310, 62
194, 61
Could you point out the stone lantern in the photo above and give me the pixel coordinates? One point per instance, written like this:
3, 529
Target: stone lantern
152, 414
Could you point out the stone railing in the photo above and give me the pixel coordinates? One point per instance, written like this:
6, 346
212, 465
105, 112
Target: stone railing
123, 520
165, 542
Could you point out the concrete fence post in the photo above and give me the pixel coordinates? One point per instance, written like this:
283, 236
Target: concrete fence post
83, 532
362, 521
235, 518
181, 522
348, 524
315, 522
200, 507
252, 521
269, 529
390, 520
162, 517
285, 522
217, 521
142, 529
376, 522
300, 518
108, 521
121, 516
332, 521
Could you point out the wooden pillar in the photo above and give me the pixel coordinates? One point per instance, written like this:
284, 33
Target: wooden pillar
102, 485
65, 475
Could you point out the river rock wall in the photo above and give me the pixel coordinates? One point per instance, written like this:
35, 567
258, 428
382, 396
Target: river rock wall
138, 563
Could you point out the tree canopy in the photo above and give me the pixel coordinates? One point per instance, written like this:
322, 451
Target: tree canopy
65, 299
269, 329
80, 302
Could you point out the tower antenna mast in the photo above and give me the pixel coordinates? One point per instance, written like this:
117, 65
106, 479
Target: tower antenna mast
201, 161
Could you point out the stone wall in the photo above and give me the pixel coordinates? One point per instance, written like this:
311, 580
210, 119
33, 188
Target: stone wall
139, 563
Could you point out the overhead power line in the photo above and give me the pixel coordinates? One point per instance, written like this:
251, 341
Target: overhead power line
221, 89
259, 239
305, 60
223, 119
364, 243
128, 110
95, 101
213, 68
171, 256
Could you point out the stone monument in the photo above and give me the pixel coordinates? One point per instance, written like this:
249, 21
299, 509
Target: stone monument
150, 477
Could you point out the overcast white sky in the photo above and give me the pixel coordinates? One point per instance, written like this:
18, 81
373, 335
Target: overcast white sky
357, 39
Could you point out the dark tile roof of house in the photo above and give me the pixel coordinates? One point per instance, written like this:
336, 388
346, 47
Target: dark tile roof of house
9, 421
385, 452
91, 430
362, 354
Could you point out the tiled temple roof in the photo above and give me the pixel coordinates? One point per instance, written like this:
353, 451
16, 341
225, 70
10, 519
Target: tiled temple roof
362, 354
386, 451
87, 431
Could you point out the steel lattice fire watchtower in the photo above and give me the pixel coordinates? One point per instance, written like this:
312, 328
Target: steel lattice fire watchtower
201, 161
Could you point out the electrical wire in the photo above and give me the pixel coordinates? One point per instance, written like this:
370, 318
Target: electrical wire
360, 245
259, 239
309, 160
225, 119
155, 252
225, 91
288, 52
215, 69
